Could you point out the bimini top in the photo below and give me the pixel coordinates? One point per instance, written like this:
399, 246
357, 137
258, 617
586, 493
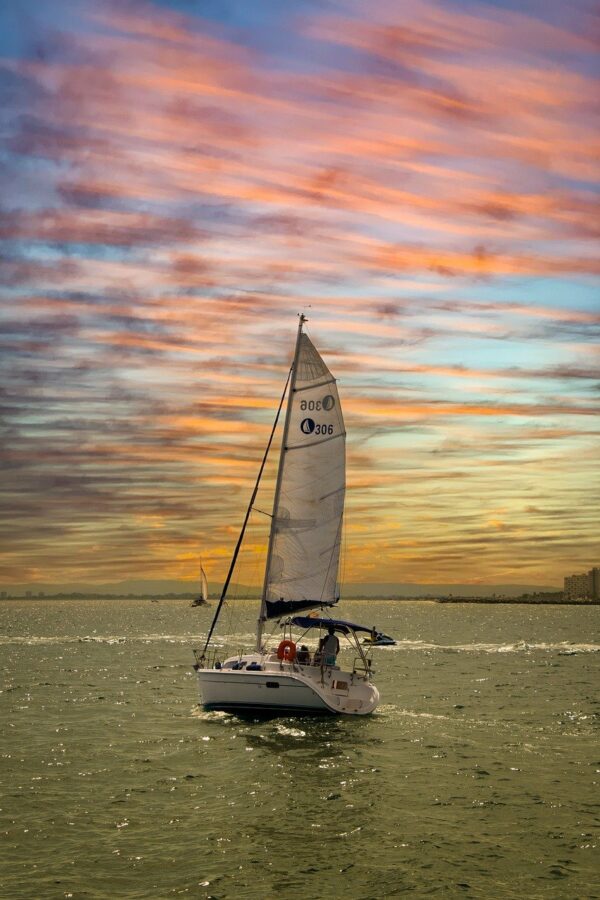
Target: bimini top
338, 624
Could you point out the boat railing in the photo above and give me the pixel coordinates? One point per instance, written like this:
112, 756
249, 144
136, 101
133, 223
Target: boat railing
205, 660
361, 666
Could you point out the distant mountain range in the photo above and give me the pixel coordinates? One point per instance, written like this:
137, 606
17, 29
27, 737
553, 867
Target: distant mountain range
352, 590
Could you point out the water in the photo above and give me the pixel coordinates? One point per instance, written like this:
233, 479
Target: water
476, 777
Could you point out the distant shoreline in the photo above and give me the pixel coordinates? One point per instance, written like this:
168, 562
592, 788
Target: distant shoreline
538, 601
529, 599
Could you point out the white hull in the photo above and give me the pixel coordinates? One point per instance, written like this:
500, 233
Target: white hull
285, 687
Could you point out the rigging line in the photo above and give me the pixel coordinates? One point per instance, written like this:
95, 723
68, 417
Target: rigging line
341, 572
286, 425
262, 512
247, 516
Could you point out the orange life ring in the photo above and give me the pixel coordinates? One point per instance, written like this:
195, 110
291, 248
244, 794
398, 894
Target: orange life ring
286, 651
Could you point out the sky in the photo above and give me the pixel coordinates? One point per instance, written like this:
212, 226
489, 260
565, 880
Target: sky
179, 180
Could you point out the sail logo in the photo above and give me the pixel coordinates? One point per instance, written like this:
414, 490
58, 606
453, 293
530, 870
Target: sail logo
328, 402
307, 426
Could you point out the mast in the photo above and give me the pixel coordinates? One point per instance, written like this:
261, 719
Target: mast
262, 617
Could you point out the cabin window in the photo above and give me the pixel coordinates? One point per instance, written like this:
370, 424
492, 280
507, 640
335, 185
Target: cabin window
273, 684
340, 685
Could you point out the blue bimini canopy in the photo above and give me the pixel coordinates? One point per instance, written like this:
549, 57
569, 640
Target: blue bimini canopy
338, 624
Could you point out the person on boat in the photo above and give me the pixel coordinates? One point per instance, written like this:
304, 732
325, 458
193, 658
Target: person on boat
330, 648
303, 656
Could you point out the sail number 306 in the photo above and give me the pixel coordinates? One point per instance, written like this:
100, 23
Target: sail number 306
326, 403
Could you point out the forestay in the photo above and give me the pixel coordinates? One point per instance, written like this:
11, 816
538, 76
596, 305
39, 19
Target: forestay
307, 518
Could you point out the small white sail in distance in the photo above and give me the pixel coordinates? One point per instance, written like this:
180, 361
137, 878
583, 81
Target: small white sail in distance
203, 584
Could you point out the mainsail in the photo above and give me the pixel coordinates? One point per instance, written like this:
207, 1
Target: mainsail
304, 544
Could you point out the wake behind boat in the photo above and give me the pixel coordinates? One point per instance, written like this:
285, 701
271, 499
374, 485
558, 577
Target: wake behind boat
301, 570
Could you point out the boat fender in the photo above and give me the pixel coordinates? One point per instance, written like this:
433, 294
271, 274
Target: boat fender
286, 651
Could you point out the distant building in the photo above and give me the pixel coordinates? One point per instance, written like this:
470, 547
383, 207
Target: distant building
583, 587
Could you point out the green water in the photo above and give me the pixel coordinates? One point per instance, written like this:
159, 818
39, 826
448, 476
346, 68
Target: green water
477, 776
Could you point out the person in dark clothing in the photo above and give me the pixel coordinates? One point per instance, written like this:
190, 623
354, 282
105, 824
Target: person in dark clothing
303, 656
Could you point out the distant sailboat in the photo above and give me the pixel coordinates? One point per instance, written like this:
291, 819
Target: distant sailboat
202, 598
301, 569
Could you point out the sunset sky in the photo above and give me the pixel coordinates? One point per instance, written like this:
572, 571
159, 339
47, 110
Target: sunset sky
180, 179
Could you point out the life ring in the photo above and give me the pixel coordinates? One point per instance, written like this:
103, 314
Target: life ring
286, 651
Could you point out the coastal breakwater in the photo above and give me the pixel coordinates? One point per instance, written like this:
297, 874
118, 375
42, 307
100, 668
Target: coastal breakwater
526, 598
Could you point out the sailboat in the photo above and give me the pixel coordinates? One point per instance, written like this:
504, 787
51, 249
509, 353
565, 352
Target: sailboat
301, 570
202, 598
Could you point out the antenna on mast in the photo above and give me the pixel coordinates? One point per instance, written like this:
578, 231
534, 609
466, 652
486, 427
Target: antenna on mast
302, 317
